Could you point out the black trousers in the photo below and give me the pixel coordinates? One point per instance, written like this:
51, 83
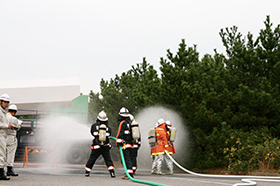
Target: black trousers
95, 153
127, 157
134, 154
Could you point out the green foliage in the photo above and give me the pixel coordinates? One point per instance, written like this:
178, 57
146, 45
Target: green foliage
233, 98
134, 89
249, 151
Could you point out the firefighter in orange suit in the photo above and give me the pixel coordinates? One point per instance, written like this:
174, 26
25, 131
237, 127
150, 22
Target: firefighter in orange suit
124, 139
153, 157
171, 150
162, 144
100, 144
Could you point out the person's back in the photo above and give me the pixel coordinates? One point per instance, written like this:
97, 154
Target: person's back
124, 139
161, 139
161, 145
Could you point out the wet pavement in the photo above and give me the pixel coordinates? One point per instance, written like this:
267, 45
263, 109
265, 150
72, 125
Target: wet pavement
73, 175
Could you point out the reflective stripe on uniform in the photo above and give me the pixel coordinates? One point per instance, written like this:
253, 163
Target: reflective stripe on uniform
130, 171
157, 153
119, 140
95, 133
127, 146
134, 168
127, 132
95, 147
135, 146
87, 169
107, 134
108, 144
111, 168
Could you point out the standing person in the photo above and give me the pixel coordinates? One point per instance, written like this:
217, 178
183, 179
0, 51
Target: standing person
136, 135
162, 144
171, 148
4, 126
125, 140
12, 139
153, 155
100, 144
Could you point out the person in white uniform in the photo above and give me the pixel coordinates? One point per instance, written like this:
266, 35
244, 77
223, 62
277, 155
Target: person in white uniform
4, 126
12, 139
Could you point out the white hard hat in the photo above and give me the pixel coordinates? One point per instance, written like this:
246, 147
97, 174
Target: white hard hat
5, 97
160, 121
102, 116
12, 107
131, 117
124, 112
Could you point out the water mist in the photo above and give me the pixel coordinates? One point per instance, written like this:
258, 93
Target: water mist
65, 134
147, 119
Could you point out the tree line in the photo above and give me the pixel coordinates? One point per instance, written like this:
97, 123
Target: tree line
229, 102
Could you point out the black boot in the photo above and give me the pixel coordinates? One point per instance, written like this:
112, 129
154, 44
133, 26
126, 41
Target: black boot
2, 175
112, 173
87, 174
10, 172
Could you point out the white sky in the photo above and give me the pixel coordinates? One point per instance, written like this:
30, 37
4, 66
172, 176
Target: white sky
90, 39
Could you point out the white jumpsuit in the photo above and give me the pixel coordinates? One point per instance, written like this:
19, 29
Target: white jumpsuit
12, 139
3, 137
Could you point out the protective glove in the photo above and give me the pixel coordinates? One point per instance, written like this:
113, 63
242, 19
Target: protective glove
124, 146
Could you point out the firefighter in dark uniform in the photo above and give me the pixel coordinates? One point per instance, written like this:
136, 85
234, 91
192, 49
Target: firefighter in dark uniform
100, 144
124, 139
136, 143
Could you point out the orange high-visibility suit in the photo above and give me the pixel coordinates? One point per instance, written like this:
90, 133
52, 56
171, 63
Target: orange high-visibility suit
162, 143
161, 146
170, 144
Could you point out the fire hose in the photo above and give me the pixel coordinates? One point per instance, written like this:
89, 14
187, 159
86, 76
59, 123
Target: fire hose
128, 175
249, 179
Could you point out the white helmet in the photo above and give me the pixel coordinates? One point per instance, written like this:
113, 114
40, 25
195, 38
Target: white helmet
124, 112
12, 107
131, 117
160, 121
168, 122
5, 97
102, 116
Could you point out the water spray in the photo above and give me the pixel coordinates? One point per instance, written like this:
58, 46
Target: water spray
249, 179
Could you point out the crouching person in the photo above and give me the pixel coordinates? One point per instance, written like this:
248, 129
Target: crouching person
100, 144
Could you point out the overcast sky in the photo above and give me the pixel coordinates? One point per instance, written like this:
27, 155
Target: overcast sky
90, 39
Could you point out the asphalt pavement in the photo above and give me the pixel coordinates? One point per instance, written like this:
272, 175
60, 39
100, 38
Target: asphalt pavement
73, 175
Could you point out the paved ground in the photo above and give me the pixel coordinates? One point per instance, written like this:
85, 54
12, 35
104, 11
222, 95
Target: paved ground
73, 175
